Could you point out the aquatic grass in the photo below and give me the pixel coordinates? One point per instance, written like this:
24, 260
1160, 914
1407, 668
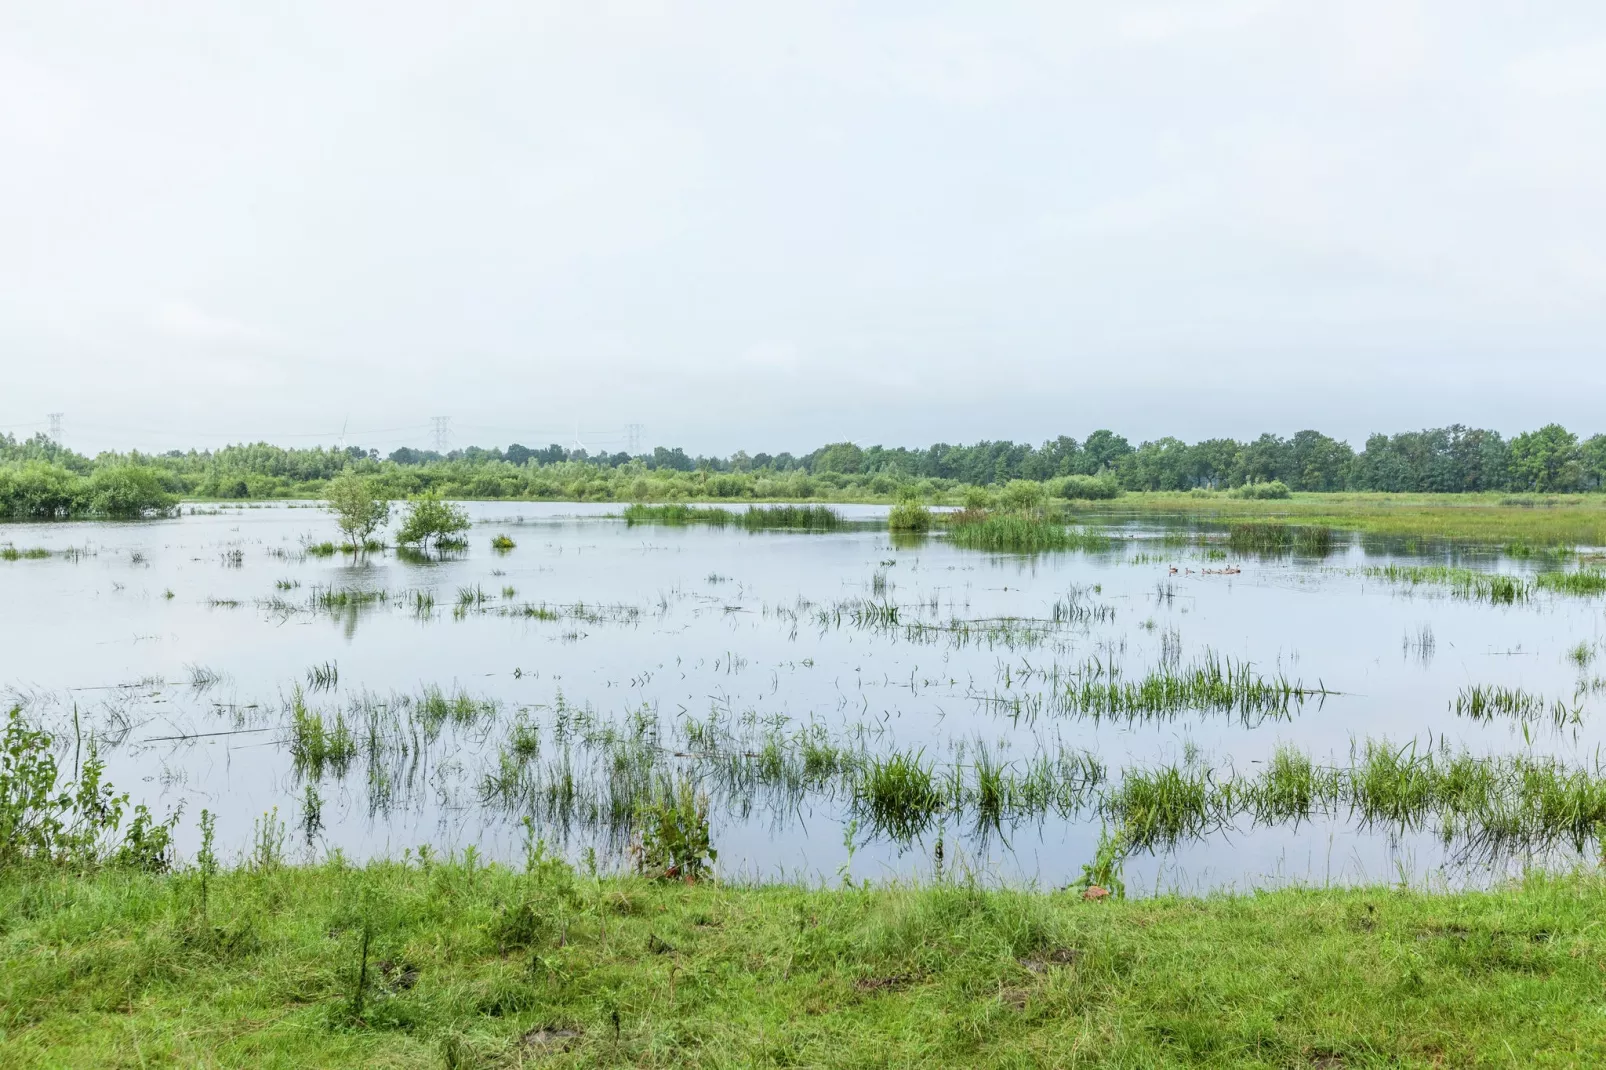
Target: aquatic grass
1017, 533
1073, 608
202, 678
1164, 805
32, 553
1269, 538
316, 744
1212, 683
675, 514
899, 796
791, 518
1497, 588
1484, 702
1583, 582
502, 543
338, 598
323, 677
1292, 788
755, 518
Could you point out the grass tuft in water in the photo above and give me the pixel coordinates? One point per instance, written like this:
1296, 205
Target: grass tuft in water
1018, 533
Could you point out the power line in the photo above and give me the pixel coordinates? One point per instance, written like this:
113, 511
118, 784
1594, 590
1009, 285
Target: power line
443, 431
55, 427
633, 432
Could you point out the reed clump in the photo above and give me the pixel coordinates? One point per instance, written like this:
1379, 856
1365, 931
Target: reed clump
1484, 702
791, 518
1020, 533
1271, 538
1497, 588
1212, 684
319, 744
1585, 582
676, 514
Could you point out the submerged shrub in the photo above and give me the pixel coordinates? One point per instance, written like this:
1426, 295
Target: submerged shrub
36, 490
127, 490
359, 508
430, 520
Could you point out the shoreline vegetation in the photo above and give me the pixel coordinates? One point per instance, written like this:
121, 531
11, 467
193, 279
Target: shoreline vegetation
112, 954
1450, 481
433, 962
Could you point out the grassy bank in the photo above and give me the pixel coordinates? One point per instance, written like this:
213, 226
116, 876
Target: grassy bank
1540, 520
473, 966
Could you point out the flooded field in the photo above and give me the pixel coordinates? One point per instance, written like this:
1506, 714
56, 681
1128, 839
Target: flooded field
1231, 707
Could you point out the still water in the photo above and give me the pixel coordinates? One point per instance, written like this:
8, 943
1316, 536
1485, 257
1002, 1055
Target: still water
188, 647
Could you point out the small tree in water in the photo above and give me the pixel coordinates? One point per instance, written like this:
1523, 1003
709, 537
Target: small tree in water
358, 510
430, 520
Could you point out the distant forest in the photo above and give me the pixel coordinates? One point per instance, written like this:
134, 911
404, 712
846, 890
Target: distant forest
40, 478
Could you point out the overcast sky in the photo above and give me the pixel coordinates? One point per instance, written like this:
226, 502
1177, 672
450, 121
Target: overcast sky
768, 226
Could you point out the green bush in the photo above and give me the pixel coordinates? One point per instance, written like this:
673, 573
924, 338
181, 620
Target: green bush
38, 490
909, 517
43, 819
127, 490
1274, 489
675, 843
1084, 488
430, 520
359, 506
1021, 496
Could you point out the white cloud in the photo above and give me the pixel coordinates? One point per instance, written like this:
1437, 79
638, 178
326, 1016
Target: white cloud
984, 219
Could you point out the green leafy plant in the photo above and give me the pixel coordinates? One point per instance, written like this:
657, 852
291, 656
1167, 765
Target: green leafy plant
206, 857
359, 510
674, 841
909, 517
1104, 871
46, 819
428, 520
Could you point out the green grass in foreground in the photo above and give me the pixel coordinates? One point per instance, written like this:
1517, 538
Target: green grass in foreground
470, 966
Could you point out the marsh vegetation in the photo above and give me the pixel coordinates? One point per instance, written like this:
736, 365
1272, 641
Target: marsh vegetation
656, 683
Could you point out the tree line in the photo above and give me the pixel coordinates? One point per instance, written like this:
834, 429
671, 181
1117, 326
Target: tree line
1450, 459
39, 477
